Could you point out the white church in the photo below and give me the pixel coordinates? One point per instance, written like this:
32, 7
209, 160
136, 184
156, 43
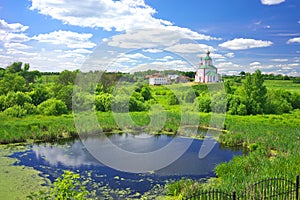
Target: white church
207, 72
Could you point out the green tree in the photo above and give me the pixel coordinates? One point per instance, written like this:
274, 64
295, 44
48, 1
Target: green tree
103, 102
16, 98
39, 94
253, 93
67, 77
203, 103
15, 67
12, 82
190, 96
52, 107
173, 100
278, 102
146, 93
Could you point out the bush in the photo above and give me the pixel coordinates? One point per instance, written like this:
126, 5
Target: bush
103, 102
173, 100
30, 108
189, 96
2, 102
203, 103
121, 104
278, 102
15, 111
52, 107
16, 98
145, 92
66, 188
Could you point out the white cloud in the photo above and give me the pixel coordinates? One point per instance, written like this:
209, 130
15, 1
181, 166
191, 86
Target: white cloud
272, 2
107, 14
230, 55
255, 63
242, 43
164, 65
165, 59
16, 46
123, 15
293, 65
12, 28
280, 60
153, 50
147, 38
12, 32
189, 48
83, 51
68, 38
187, 33
294, 40
135, 56
15, 37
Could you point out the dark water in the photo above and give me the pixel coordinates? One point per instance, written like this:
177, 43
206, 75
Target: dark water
52, 159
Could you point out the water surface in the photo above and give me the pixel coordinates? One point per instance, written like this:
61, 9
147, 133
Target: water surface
52, 159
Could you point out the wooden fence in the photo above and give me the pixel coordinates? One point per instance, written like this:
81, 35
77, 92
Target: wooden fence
271, 188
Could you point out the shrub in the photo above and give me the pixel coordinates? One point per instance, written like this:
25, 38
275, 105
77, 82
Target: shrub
52, 107
173, 100
190, 96
15, 111
66, 188
203, 103
16, 98
103, 102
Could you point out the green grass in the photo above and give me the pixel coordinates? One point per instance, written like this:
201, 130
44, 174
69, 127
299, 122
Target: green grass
273, 150
283, 84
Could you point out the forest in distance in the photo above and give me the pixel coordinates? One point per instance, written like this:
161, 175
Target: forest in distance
262, 116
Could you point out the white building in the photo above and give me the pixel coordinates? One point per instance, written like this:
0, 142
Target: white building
207, 72
158, 81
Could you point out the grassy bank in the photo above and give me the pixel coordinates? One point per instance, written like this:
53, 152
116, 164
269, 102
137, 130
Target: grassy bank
273, 143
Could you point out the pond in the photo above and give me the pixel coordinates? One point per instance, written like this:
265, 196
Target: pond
107, 182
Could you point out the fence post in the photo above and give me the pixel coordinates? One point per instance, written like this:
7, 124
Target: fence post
233, 195
297, 187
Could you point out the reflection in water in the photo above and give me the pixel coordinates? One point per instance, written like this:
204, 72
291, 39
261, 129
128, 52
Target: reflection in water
74, 155
51, 159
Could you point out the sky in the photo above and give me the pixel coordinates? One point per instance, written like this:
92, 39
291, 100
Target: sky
136, 35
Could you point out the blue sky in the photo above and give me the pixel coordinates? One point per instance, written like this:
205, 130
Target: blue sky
132, 35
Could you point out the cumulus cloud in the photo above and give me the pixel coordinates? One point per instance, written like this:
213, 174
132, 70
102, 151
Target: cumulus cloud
12, 28
255, 63
294, 40
243, 43
272, 2
123, 15
68, 38
153, 50
189, 48
107, 14
230, 55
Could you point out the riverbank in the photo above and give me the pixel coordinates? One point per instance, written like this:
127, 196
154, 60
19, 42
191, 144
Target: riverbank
273, 141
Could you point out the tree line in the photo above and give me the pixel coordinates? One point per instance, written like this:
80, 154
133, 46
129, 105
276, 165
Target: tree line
24, 92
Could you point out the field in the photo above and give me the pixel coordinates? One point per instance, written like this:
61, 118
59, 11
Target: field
283, 84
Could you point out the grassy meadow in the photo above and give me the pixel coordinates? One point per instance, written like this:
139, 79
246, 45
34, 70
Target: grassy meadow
272, 141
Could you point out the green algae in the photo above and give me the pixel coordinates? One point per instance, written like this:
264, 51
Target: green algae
17, 182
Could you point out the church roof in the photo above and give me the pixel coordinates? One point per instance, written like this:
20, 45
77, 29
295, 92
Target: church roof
212, 73
207, 56
207, 67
